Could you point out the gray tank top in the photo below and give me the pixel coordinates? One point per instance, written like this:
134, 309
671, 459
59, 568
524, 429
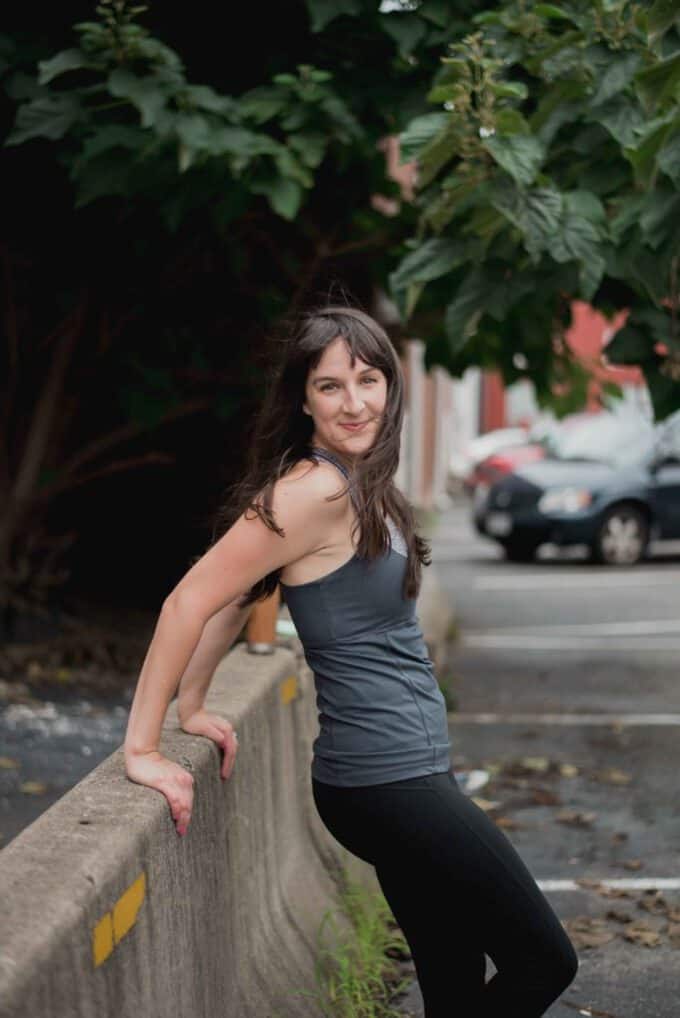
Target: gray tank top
382, 716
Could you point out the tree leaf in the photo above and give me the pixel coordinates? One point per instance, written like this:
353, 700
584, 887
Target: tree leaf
520, 155
535, 213
436, 154
660, 17
633, 343
284, 195
146, 94
551, 11
419, 132
67, 60
322, 12
668, 159
657, 83
261, 104
622, 117
434, 258
643, 157
617, 76
455, 196
659, 218
510, 89
48, 116
206, 98
193, 130
407, 30
310, 146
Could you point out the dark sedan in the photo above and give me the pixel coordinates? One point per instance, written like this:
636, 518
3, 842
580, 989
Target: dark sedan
615, 500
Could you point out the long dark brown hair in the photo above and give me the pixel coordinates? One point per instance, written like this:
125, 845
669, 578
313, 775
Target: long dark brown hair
282, 436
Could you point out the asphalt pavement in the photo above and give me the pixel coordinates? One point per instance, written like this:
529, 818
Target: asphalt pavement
566, 686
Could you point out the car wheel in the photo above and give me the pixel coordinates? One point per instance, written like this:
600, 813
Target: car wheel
622, 538
519, 551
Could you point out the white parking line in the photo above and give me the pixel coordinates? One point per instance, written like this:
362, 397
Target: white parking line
630, 720
554, 643
580, 636
583, 582
628, 628
624, 883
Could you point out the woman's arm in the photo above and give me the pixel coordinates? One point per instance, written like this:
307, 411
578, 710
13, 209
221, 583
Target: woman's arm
218, 635
244, 555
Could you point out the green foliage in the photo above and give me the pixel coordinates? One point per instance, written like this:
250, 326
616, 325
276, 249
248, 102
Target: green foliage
124, 102
357, 942
555, 165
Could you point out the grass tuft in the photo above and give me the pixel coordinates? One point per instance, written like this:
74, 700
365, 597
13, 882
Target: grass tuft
357, 970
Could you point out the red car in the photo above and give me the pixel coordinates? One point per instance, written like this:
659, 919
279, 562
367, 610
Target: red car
500, 463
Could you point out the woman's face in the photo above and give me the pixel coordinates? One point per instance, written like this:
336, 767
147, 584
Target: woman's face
337, 395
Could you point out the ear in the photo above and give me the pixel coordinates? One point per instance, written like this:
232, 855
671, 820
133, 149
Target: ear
306, 409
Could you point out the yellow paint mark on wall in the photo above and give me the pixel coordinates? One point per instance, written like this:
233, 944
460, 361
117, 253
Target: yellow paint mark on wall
289, 689
112, 927
102, 939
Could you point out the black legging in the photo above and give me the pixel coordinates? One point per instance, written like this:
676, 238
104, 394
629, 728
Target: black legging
458, 890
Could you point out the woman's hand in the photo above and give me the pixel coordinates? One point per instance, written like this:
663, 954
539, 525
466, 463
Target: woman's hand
168, 777
217, 729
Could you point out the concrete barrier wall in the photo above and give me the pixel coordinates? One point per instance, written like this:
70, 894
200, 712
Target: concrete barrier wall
105, 910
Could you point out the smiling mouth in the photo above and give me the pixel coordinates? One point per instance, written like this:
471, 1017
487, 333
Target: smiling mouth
354, 426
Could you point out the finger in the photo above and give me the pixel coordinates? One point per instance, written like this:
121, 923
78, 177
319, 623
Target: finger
184, 818
230, 750
226, 743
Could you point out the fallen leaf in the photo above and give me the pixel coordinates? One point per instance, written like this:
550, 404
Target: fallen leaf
527, 766
486, 804
618, 916
7, 763
587, 1009
612, 776
574, 818
545, 797
508, 824
568, 770
33, 787
586, 931
674, 934
589, 882
536, 763
640, 932
614, 892
633, 864
619, 836
653, 901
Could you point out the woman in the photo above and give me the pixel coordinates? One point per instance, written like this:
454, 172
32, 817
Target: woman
349, 562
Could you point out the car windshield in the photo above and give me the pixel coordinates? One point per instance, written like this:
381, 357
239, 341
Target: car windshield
605, 438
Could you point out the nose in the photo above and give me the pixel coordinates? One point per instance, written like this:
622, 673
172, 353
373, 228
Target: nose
353, 403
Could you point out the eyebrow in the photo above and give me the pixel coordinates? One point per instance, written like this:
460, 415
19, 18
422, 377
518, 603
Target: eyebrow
329, 378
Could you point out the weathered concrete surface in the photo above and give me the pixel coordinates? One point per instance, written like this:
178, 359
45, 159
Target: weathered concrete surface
221, 922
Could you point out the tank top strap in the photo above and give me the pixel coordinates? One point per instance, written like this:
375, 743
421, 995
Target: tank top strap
398, 542
330, 458
323, 454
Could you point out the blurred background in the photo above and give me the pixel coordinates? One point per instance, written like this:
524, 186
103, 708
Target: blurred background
498, 183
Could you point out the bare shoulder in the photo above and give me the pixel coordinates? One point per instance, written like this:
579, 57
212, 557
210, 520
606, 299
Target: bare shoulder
311, 484
251, 549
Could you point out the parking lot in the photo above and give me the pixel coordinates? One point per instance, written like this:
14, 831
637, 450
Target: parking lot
567, 691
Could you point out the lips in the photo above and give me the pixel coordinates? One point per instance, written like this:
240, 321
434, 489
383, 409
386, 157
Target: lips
355, 427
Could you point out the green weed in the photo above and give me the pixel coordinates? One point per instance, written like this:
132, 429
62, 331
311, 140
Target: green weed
357, 972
